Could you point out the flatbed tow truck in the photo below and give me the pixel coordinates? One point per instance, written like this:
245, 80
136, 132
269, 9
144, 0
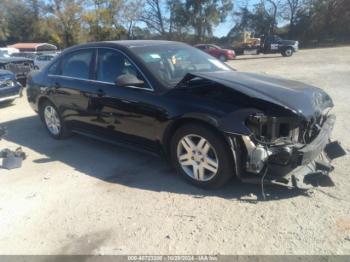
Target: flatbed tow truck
271, 44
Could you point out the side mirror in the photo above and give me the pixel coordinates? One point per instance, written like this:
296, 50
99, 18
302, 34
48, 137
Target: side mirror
129, 80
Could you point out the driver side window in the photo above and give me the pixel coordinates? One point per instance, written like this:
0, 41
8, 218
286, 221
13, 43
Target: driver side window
112, 64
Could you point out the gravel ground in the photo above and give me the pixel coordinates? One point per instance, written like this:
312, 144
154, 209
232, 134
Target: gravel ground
80, 196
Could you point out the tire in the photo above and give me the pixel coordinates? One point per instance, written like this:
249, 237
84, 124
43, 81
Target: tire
222, 58
55, 120
288, 52
218, 157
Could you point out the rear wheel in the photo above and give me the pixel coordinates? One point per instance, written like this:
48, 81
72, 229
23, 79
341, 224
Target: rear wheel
202, 156
53, 121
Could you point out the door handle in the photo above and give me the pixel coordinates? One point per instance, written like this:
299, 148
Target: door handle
100, 93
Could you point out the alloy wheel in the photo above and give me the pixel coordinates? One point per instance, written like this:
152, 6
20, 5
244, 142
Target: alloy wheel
197, 158
52, 120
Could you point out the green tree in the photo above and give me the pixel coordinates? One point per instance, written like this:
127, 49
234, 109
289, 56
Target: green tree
3, 24
17, 21
293, 9
258, 21
66, 23
204, 15
152, 15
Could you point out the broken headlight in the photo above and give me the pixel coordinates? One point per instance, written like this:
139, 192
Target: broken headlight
272, 129
7, 81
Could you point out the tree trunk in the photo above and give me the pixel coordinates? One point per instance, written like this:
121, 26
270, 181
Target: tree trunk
160, 18
130, 36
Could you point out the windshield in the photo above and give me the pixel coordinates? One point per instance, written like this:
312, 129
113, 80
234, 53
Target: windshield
170, 63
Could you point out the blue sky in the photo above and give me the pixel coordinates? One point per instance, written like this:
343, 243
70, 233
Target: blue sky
223, 29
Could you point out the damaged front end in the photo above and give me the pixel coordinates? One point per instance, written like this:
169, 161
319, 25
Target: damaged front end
279, 130
290, 152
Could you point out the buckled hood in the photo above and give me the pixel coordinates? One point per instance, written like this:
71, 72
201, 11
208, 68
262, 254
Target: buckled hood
302, 99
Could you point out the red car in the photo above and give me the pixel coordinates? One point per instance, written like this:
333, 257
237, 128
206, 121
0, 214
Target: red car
218, 52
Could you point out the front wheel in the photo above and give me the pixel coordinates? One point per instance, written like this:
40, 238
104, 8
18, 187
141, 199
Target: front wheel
288, 52
202, 156
53, 121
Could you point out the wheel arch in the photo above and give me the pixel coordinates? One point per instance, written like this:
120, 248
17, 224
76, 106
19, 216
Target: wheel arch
284, 48
41, 102
170, 130
232, 141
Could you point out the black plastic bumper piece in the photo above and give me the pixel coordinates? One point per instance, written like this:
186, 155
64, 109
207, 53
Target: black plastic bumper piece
313, 163
313, 150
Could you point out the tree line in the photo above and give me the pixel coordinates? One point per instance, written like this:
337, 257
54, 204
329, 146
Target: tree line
68, 22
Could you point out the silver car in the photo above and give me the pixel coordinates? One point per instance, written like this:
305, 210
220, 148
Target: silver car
42, 60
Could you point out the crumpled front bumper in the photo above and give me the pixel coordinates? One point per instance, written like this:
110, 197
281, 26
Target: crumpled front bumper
308, 167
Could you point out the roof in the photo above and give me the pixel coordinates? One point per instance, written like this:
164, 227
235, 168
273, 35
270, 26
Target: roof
125, 44
130, 43
33, 46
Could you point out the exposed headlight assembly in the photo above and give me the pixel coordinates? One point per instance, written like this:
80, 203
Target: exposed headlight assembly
7, 81
272, 129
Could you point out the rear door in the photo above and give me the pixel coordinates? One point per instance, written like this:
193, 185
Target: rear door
72, 88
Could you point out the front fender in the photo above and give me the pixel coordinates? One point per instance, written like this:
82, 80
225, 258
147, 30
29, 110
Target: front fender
234, 123
209, 119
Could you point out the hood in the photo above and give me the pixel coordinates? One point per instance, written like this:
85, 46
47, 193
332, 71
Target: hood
302, 99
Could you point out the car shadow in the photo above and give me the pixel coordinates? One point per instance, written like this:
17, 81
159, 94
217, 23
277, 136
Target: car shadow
5, 104
115, 164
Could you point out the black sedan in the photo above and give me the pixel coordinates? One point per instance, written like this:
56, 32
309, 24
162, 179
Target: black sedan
212, 122
10, 89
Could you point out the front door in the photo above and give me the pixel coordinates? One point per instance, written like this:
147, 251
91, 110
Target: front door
131, 111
